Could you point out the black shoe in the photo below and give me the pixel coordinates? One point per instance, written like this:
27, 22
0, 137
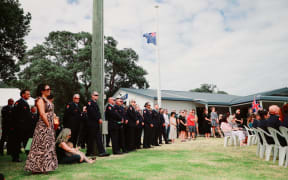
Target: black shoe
156, 145
118, 153
167, 143
103, 154
16, 160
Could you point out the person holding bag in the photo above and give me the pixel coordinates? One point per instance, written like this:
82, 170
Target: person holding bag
42, 157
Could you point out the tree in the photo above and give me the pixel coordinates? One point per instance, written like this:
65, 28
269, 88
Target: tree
64, 62
14, 26
121, 69
208, 88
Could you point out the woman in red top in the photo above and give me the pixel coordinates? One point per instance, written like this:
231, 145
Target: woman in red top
191, 123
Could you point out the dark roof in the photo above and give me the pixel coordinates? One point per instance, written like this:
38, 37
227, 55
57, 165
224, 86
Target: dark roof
275, 92
209, 98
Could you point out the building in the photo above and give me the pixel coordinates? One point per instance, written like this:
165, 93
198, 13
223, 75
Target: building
180, 100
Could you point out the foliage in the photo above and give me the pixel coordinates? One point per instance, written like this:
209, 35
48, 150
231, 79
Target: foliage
121, 69
64, 62
208, 88
14, 26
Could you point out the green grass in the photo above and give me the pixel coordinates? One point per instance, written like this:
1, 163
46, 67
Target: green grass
200, 159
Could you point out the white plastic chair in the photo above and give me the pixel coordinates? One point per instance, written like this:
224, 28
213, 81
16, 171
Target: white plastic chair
278, 147
268, 147
260, 146
284, 132
227, 138
236, 140
256, 138
250, 134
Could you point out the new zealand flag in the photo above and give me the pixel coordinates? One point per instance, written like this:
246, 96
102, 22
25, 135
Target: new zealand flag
151, 37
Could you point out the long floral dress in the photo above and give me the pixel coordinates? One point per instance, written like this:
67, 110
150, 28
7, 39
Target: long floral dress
42, 156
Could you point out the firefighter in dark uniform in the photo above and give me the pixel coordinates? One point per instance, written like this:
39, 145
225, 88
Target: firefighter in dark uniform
157, 126
6, 114
120, 109
114, 122
94, 122
131, 126
83, 129
139, 128
72, 119
148, 126
22, 125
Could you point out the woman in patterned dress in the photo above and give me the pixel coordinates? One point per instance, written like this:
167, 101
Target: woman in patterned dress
42, 157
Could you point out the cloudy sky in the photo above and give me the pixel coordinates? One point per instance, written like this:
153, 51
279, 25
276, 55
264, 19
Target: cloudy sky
239, 45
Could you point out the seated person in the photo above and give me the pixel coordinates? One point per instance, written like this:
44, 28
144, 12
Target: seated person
261, 115
233, 129
250, 120
284, 115
274, 122
85, 158
66, 154
226, 127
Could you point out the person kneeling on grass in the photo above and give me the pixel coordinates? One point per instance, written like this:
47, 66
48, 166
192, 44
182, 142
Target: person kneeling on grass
66, 154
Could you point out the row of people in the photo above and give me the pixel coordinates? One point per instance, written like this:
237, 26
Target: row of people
125, 125
274, 118
18, 124
263, 119
46, 152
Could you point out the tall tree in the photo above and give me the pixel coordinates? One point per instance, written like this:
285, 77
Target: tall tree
208, 88
121, 69
14, 26
64, 61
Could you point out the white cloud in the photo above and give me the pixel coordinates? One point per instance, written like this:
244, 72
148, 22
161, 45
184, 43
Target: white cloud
241, 46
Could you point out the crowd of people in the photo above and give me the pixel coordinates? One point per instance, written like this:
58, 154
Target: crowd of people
129, 128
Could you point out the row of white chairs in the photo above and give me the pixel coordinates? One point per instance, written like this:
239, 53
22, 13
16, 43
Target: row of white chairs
276, 149
230, 138
263, 148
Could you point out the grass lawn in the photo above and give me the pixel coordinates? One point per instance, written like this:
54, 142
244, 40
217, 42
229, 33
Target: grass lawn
200, 159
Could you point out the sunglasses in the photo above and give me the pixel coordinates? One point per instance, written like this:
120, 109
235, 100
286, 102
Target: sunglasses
49, 89
76, 98
95, 95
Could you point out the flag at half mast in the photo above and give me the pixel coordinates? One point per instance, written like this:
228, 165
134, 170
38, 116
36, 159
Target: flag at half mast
150, 37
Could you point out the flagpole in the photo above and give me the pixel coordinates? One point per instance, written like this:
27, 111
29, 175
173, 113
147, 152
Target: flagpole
158, 57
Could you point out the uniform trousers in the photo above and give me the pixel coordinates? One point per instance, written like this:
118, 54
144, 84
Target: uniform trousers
94, 141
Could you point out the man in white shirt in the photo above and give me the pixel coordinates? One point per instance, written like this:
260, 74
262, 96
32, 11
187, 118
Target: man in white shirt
167, 122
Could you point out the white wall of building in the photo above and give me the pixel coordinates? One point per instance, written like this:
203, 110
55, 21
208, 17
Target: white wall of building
166, 104
140, 100
177, 105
